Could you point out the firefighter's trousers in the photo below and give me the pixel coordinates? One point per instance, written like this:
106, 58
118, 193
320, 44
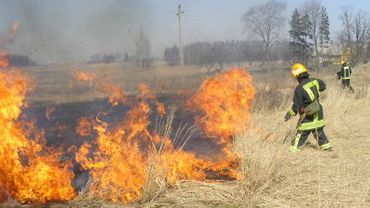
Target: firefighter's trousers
301, 137
347, 83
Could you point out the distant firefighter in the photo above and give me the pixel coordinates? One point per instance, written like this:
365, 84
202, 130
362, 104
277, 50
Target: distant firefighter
345, 74
306, 104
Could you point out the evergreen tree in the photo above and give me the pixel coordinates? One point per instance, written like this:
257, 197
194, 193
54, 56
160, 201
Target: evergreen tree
324, 31
306, 36
300, 46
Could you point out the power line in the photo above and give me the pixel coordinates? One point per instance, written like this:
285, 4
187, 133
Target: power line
181, 51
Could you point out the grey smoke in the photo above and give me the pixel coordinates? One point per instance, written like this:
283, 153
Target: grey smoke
73, 30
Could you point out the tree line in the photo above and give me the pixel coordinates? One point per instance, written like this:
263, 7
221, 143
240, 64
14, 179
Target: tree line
303, 36
223, 52
309, 38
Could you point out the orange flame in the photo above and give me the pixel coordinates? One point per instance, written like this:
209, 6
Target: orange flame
145, 93
116, 166
223, 103
132, 140
180, 165
120, 161
84, 76
222, 109
104, 85
30, 172
4, 59
84, 127
118, 152
119, 158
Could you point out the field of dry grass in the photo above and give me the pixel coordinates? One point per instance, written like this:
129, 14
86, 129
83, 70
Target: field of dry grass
56, 84
272, 176
328, 179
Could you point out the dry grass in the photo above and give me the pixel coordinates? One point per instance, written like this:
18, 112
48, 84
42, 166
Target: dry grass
273, 177
261, 167
201, 194
335, 179
55, 83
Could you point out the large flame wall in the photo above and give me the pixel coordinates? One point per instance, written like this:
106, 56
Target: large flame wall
120, 154
29, 171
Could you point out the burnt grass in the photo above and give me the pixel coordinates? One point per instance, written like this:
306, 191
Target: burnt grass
60, 129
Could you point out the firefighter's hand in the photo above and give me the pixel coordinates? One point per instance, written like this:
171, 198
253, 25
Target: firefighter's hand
287, 117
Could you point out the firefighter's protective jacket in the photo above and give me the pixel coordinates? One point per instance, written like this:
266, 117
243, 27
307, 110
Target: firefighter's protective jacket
307, 91
345, 72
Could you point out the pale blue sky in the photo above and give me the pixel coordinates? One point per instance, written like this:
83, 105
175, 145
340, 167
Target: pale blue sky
73, 30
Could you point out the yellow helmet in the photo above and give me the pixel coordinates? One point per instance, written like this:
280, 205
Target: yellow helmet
298, 69
343, 62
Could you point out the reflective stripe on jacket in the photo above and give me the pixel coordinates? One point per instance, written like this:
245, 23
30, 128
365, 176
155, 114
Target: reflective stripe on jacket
311, 93
347, 72
305, 93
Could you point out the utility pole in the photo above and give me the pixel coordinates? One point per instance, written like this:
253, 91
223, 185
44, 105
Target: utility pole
181, 50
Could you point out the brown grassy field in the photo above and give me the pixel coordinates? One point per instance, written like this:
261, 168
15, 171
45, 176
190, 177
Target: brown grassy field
272, 176
55, 83
320, 179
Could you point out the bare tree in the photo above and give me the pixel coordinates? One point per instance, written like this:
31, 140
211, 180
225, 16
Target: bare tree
313, 9
265, 20
356, 32
361, 33
347, 18
143, 50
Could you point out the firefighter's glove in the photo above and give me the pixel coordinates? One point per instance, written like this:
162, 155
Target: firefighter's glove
287, 117
338, 75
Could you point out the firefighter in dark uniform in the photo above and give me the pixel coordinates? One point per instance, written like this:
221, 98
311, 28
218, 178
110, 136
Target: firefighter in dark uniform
306, 104
345, 74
